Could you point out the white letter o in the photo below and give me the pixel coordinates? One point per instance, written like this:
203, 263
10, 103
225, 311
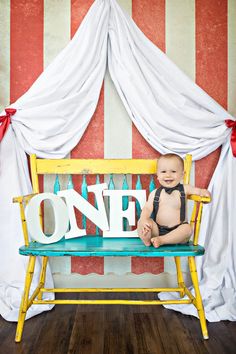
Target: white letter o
60, 215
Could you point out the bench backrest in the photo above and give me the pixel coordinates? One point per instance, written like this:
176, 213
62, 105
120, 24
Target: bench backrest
97, 167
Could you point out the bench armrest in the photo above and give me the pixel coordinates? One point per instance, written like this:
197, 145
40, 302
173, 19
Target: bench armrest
23, 198
197, 213
198, 198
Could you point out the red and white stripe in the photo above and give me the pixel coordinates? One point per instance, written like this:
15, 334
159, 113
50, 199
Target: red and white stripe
198, 35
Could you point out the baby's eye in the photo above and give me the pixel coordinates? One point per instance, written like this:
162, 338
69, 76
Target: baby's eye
163, 171
173, 171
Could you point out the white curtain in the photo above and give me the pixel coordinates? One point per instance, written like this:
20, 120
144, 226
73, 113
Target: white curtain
170, 111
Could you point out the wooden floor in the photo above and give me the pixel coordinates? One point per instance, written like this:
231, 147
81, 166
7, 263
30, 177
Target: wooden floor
116, 329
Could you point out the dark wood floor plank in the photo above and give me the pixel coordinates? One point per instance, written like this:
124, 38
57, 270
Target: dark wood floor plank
114, 338
56, 330
131, 341
192, 325
32, 329
220, 340
224, 342
147, 334
181, 335
87, 335
166, 336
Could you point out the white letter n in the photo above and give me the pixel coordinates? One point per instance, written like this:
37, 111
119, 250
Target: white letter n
97, 216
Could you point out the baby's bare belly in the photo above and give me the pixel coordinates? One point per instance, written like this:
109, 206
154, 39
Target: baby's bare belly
168, 216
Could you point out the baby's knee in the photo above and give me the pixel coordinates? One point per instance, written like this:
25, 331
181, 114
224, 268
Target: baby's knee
155, 229
189, 230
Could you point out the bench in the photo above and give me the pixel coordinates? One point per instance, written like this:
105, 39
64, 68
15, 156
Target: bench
96, 245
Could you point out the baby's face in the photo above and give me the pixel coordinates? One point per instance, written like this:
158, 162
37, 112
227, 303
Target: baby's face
169, 172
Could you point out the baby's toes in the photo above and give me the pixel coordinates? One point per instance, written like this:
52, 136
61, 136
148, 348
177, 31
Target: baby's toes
155, 242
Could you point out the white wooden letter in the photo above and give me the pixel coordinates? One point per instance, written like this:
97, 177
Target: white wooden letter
60, 215
97, 216
117, 214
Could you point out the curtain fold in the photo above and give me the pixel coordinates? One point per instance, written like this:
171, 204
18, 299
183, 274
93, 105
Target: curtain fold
170, 111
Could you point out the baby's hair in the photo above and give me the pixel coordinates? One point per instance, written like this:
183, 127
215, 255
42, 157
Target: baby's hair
171, 156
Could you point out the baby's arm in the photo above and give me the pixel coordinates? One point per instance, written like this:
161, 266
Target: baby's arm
147, 210
198, 191
145, 222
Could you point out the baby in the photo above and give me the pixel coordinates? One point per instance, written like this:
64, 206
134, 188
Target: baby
167, 205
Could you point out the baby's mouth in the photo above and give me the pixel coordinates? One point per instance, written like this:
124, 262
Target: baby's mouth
169, 181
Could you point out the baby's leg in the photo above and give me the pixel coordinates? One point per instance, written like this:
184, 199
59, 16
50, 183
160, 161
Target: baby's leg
180, 235
147, 231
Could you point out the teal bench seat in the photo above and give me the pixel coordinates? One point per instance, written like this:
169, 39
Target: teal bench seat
100, 246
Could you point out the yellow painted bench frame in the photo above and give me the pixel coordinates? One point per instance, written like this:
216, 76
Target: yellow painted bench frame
107, 166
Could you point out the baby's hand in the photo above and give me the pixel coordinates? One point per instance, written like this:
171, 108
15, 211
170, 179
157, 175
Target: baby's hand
205, 193
145, 225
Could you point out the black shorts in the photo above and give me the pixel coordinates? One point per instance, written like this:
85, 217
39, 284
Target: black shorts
163, 230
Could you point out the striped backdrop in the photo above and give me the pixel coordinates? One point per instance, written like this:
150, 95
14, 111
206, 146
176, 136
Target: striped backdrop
198, 35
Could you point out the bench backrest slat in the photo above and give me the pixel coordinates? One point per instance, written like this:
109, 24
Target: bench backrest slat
96, 166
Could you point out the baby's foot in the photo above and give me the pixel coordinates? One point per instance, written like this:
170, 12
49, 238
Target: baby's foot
146, 235
156, 241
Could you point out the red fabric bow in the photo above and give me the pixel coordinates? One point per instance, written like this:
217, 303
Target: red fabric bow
6, 120
232, 124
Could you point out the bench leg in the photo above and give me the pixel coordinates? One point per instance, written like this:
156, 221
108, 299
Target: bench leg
180, 278
199, 305
42, 275
25, 298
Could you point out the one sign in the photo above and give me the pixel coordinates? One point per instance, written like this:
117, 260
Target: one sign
64, 204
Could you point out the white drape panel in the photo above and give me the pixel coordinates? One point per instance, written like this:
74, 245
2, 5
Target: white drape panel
50, 120
53, 115
217, 269
170, 111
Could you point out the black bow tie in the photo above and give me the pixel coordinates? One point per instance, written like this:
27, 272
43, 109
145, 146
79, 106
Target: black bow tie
171, 189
